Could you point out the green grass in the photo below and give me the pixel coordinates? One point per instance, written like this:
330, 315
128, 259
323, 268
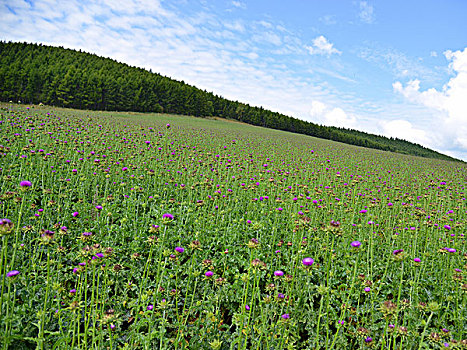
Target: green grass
244, 202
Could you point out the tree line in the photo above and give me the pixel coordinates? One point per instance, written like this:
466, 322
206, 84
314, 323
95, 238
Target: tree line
36, 73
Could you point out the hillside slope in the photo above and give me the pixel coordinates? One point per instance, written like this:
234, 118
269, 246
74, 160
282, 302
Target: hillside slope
35, 73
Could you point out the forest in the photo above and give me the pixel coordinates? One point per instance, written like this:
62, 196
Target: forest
36, 73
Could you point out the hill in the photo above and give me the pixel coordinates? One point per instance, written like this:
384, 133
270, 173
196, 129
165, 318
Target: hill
35, 73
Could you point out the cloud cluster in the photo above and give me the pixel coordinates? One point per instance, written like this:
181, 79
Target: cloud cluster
404, 129
396, 62
367, 13
449, 103
239, 4
329, 116
321, 46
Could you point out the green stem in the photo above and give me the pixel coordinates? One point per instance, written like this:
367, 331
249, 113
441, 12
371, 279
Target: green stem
42, 321
424, 331
7, 323
347, 301
3, 268
319, 319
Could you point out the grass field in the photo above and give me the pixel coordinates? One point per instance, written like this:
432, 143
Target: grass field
145, 231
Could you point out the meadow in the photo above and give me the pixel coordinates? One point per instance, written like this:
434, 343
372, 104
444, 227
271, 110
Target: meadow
148, 231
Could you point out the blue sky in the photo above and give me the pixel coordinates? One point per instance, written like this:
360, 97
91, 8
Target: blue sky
394, 68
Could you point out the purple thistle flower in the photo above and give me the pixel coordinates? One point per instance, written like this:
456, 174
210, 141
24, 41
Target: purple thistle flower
72, 291
367, 289
278, 273
99, 207
356, 244
167, 216
179, 249
25, 183
247, 308
150, 307
5, 221
417, 260
285, 316
6, 226
447, 227
209, 274
13, 273
363, 211
308, 261
75, 214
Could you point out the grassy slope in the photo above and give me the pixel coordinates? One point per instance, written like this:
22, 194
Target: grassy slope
221, 124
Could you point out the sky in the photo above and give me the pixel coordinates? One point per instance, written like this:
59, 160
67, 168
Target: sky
395, 68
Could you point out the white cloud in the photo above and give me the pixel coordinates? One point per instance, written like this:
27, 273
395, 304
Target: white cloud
321, 46
449, 104
239, 4
328, 20
265, 24
317, 108
430, 98
334, 74
338, 117
268, 37
367, 13
250, 55
321, 113
236, 25
403, 129
398, 63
